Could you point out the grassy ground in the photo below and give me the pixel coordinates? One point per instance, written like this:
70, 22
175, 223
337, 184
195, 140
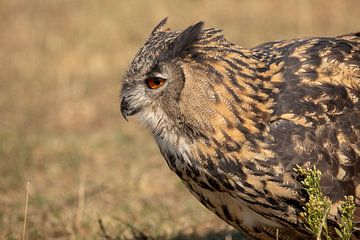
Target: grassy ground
61, 63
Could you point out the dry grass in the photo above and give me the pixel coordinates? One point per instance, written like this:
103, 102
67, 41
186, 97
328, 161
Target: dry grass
26, 208
61, 63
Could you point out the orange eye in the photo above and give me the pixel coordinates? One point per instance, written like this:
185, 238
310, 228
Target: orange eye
154, 83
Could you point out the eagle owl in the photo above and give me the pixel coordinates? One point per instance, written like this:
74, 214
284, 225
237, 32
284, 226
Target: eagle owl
233, 123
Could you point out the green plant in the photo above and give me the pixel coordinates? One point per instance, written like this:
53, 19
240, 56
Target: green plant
317, 208
347, 209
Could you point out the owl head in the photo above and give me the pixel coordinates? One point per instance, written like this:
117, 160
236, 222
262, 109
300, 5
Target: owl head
169, 84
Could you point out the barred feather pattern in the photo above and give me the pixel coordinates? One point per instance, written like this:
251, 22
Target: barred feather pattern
240, 120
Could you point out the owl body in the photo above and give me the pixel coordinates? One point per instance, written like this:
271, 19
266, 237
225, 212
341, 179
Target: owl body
233, 123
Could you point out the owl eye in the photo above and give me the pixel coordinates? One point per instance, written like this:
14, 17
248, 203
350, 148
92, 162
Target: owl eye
155, 82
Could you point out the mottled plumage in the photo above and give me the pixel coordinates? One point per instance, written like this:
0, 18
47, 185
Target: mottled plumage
233, 123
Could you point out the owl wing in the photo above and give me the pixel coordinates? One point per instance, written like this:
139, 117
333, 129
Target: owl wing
316, 117
313, 119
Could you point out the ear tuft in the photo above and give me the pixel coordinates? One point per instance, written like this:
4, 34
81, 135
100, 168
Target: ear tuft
185, 39
160, 26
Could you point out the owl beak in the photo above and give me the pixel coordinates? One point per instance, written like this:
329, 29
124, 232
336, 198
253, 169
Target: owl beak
127, 110
124, 108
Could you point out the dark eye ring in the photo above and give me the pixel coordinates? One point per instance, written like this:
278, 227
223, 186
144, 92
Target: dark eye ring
154, 82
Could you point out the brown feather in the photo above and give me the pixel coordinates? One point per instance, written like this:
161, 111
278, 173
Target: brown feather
233, 123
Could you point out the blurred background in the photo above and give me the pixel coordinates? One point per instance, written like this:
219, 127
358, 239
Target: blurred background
61, 65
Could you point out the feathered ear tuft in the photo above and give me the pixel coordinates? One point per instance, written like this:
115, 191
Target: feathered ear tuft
160, 26
185, 39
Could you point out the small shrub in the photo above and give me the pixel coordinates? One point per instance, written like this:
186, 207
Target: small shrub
317, 208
